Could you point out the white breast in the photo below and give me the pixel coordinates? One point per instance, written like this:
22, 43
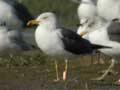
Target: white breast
49, 42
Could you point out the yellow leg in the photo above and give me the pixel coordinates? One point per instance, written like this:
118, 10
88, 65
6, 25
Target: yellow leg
107, 71
56, 71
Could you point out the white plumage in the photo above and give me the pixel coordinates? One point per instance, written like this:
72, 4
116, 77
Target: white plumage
14, 14
100, 36
6, 14
86, 11
46, 36
109, 9
104, 32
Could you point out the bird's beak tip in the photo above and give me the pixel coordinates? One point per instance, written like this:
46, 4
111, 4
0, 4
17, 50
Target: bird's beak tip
29, 23
32, 22
83, 33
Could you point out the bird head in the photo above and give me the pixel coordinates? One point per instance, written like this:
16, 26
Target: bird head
47, 18
82, 30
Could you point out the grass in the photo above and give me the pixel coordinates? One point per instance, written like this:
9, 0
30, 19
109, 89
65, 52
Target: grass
31, 59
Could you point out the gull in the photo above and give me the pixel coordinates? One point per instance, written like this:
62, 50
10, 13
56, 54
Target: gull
57, 41
11, 41
109, 9
86, 11
104, 32
14, 14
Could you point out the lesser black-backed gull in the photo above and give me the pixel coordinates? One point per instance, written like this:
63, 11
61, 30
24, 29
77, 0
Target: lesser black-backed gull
56, 41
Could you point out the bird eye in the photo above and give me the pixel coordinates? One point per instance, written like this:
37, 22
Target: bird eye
45, 17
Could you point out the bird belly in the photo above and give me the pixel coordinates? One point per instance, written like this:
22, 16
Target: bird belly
49, 43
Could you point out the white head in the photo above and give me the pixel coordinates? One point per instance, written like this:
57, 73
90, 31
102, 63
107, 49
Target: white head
86, 11
47, 19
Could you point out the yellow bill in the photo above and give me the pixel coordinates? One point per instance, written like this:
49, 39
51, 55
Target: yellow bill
83, 33
33, 22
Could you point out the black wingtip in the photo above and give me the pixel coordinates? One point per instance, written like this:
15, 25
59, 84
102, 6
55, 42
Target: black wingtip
94, 46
